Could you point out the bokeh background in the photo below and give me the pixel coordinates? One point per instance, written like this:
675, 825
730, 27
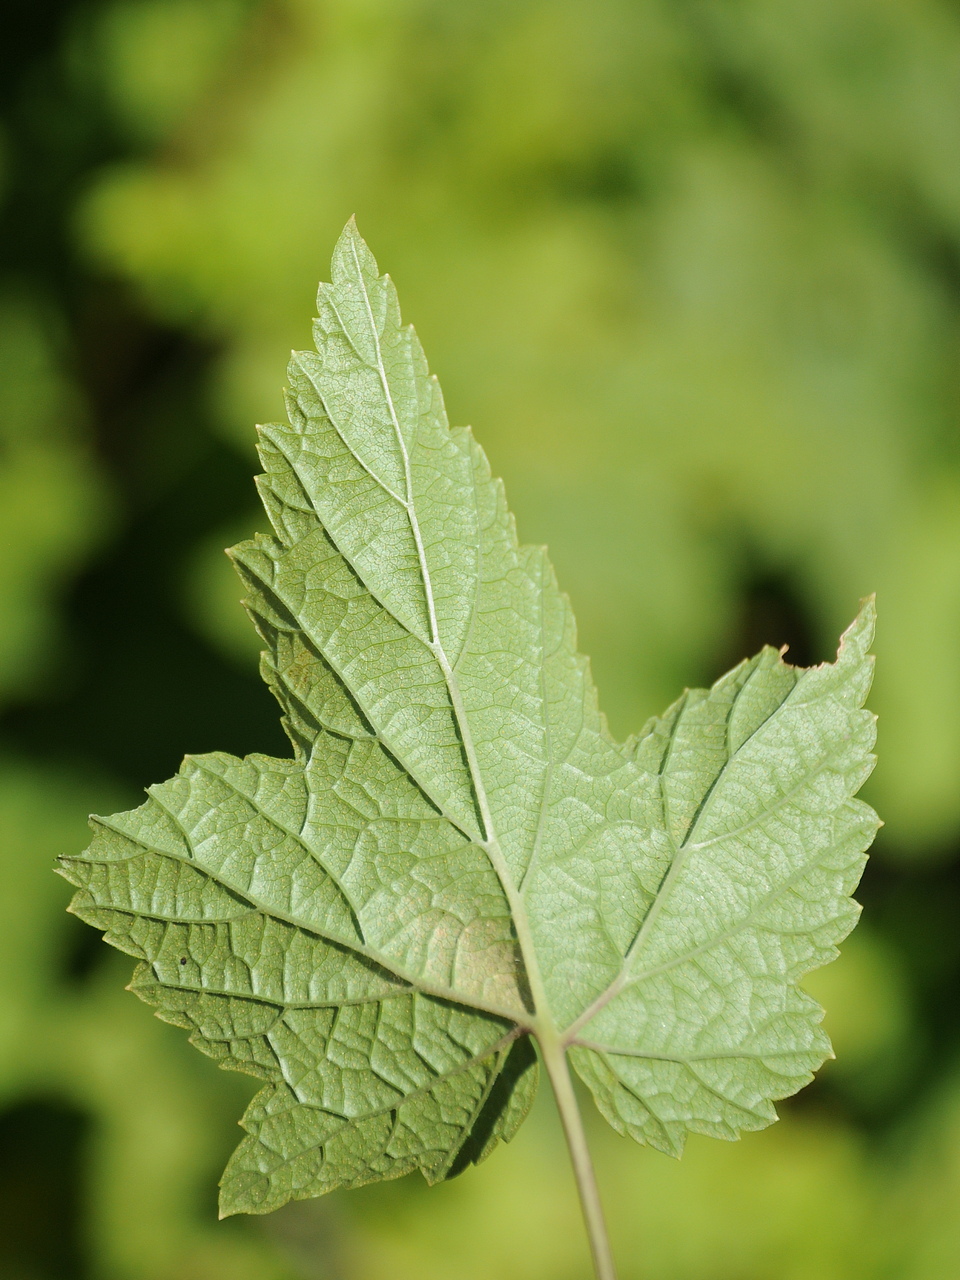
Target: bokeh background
691, 268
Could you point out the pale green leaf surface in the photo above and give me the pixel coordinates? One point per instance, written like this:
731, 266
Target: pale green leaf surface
459, 857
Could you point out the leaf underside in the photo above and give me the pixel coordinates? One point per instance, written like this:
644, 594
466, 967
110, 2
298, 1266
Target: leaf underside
459, 855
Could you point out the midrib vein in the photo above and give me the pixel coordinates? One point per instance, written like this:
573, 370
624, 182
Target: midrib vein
323, 654
491, 843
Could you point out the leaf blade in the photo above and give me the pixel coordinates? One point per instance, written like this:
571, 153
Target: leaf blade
458, 858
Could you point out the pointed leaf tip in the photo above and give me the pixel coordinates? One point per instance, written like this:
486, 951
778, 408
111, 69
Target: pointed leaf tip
856, 641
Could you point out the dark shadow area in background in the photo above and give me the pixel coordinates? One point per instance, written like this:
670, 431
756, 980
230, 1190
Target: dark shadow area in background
41, 1156
83, 952
138, 689
771, 612
915, 909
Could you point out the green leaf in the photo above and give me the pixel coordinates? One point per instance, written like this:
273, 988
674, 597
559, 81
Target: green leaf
459, 859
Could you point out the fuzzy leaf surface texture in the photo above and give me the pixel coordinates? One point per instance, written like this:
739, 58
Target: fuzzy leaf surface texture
459, 860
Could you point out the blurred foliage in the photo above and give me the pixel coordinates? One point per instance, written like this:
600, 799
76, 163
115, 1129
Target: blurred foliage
713, 252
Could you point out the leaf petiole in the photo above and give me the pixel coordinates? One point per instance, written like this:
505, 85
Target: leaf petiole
555, 1061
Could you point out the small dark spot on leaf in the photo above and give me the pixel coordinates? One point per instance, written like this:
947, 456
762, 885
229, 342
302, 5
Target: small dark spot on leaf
183, 959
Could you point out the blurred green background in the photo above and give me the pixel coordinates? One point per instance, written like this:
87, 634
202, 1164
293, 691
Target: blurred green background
691, 268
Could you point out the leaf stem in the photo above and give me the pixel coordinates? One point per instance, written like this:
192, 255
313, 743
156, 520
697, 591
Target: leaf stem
555, 1061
